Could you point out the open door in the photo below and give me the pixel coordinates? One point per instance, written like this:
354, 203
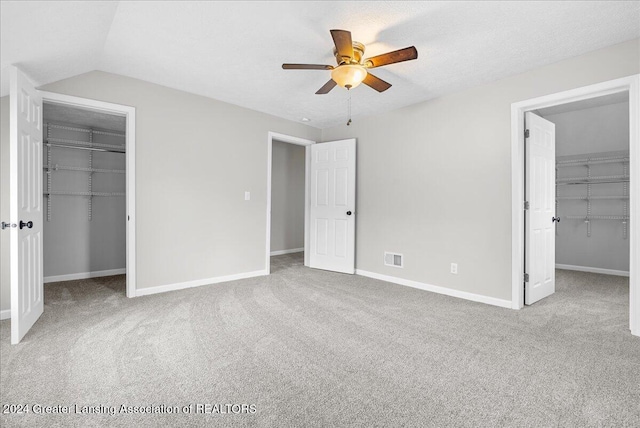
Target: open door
332, 211
25, 190
540, 217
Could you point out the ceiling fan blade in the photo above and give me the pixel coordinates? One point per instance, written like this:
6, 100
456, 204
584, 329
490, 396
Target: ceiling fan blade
343, 42
306, 67
327, 87
376, 83
400, 55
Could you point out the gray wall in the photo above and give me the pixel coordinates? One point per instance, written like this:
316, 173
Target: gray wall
5, 302
434, 179
287, 196
599, 129
195, 158
72, 243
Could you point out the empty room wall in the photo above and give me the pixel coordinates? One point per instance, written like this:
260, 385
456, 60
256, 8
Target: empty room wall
434, 179
287, 197
593, 130
195, 158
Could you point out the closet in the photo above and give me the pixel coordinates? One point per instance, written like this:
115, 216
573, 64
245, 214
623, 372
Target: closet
84, 193
592, 184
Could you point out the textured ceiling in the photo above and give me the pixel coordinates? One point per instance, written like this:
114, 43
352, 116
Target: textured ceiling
232, 51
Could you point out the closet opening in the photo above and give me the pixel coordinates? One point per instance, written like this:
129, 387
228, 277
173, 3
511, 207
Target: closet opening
592, 186
577, 221
288, 192
594, 173
85, 190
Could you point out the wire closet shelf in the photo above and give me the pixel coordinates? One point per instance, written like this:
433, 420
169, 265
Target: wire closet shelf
53, 143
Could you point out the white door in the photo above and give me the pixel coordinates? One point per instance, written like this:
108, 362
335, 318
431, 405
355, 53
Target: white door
333, 203
25, 200
540, 191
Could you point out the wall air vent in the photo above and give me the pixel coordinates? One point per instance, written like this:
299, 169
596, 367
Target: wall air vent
393, 259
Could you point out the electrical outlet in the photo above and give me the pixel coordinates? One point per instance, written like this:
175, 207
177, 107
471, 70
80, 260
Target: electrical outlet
454, 268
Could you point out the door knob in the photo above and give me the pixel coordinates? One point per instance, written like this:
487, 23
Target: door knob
556, 219
28, 224
348, 212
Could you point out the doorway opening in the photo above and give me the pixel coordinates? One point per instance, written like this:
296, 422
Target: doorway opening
287, 200
287, 204
589, 196
84, 227
592, 184
89, 191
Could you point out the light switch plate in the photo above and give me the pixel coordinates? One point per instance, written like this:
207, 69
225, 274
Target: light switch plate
247, 196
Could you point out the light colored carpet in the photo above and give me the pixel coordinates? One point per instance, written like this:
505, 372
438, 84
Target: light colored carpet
313, 348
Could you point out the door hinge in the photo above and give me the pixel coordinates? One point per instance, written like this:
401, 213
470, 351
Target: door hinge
526, 277
526, 205
526, 133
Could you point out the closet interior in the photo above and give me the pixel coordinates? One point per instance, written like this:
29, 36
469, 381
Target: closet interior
84, 193
592, 184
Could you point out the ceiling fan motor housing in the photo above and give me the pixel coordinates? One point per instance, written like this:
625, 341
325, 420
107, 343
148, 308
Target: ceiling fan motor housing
358, 53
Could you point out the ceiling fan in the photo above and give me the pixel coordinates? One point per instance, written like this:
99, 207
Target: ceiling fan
352, 69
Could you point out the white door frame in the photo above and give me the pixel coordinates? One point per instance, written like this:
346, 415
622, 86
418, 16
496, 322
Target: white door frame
307, 167
130, 134
630, 84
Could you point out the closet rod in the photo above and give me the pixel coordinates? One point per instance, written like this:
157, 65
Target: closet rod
586, 198
86, 144
592, 179
594, 182
87, 130
582, 162
597, 217
83, 169
623, 157
95, 149
71, 193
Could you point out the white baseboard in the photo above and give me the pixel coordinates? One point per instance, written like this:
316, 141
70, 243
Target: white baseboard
437, 289
5, 314
197, 283
84, 275
281, 252
593, 270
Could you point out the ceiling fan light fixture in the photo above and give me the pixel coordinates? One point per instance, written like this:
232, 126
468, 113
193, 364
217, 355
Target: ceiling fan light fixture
349, 75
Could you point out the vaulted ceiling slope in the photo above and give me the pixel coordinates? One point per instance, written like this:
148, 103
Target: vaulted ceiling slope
233, 51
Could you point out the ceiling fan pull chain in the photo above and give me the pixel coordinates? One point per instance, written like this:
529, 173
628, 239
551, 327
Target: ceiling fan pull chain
349, 108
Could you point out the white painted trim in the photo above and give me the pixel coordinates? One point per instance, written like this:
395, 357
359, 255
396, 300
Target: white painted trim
291, 251
593, 270
5, 314
84, 275
198, 283
630, 84
130, 140
307, 182
307, 203
634, 203
437, 289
